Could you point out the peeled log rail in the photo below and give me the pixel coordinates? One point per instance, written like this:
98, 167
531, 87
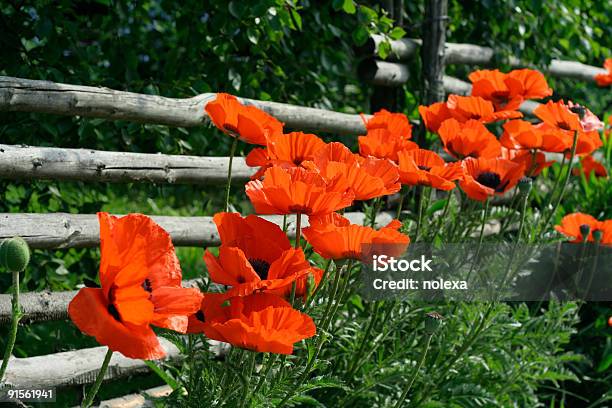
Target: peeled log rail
32, 163
383, 73
76, 367
26, 95
459, 53
63, 230
137, 400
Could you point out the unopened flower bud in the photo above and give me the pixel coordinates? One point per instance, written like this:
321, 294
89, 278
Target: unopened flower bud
524, 185
432, 322
597, 235
585, 229
14, 254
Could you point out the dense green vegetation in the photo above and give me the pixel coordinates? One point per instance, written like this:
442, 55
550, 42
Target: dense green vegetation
300, 52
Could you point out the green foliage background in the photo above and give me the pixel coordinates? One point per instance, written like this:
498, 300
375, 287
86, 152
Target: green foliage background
291, 51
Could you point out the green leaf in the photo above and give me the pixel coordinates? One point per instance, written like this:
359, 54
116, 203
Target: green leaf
397, 33
349, 7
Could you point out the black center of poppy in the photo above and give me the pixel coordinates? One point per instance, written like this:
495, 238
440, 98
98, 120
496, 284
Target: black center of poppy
232, 130
563, 125
261, 267
200, 316
424, 168
578, 110
298, 160
114, 312
489, 179
500, 98
146, 285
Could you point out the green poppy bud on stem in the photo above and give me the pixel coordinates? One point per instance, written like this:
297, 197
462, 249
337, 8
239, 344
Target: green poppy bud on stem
597, 235
14, 254
584, 231
524, 185
432, 322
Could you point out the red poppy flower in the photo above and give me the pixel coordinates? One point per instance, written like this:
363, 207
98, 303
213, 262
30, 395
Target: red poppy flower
383, 144
367, 178
396, 123
287, 150
260, 322
464, 108
589, 165
530, 83
605, 79
571, 223
296, 191
256, 255
533, 162
248, 123
333, 237
486, 177
468, 139
520, 134
434, 115
492, 86
140, 277
559, 115
426, 168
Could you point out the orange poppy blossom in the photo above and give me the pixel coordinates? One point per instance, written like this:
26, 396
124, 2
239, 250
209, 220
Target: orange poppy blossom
260, 322
571, 224
588, 166
140, 280
532, 161
464, 108
383, 144
468, 139
288, 150
367, 178
256, 255
520, 134
296, 191
484, 178
333, 237
434, 115
248, 123
396, 123
605, 79
508, 91
425, 168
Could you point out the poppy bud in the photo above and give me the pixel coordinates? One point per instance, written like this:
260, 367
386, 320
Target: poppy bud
14, 254
597, 235
432, 322
585, 229
524, 185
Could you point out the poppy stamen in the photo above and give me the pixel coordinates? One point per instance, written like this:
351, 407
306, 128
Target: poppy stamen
146, 285
114, 312
261, 267
200, 316
489, 179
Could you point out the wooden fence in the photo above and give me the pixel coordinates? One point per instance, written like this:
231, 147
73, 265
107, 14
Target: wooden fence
58, 231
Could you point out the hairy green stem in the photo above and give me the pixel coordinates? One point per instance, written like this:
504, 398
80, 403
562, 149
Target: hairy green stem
229, 173
401, 400
96, 385
298, 230
15, 317
373, 319
247, 384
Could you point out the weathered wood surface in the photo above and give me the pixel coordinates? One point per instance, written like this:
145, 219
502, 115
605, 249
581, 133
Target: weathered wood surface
26, 95
381, 73
31, 163
63, 230
47, 305
143, 399
459, 53
74, 367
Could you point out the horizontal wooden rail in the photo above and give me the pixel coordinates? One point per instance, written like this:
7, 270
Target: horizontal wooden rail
76, 367
63, 230
32, 163
459, 53
139, 400
26, 95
